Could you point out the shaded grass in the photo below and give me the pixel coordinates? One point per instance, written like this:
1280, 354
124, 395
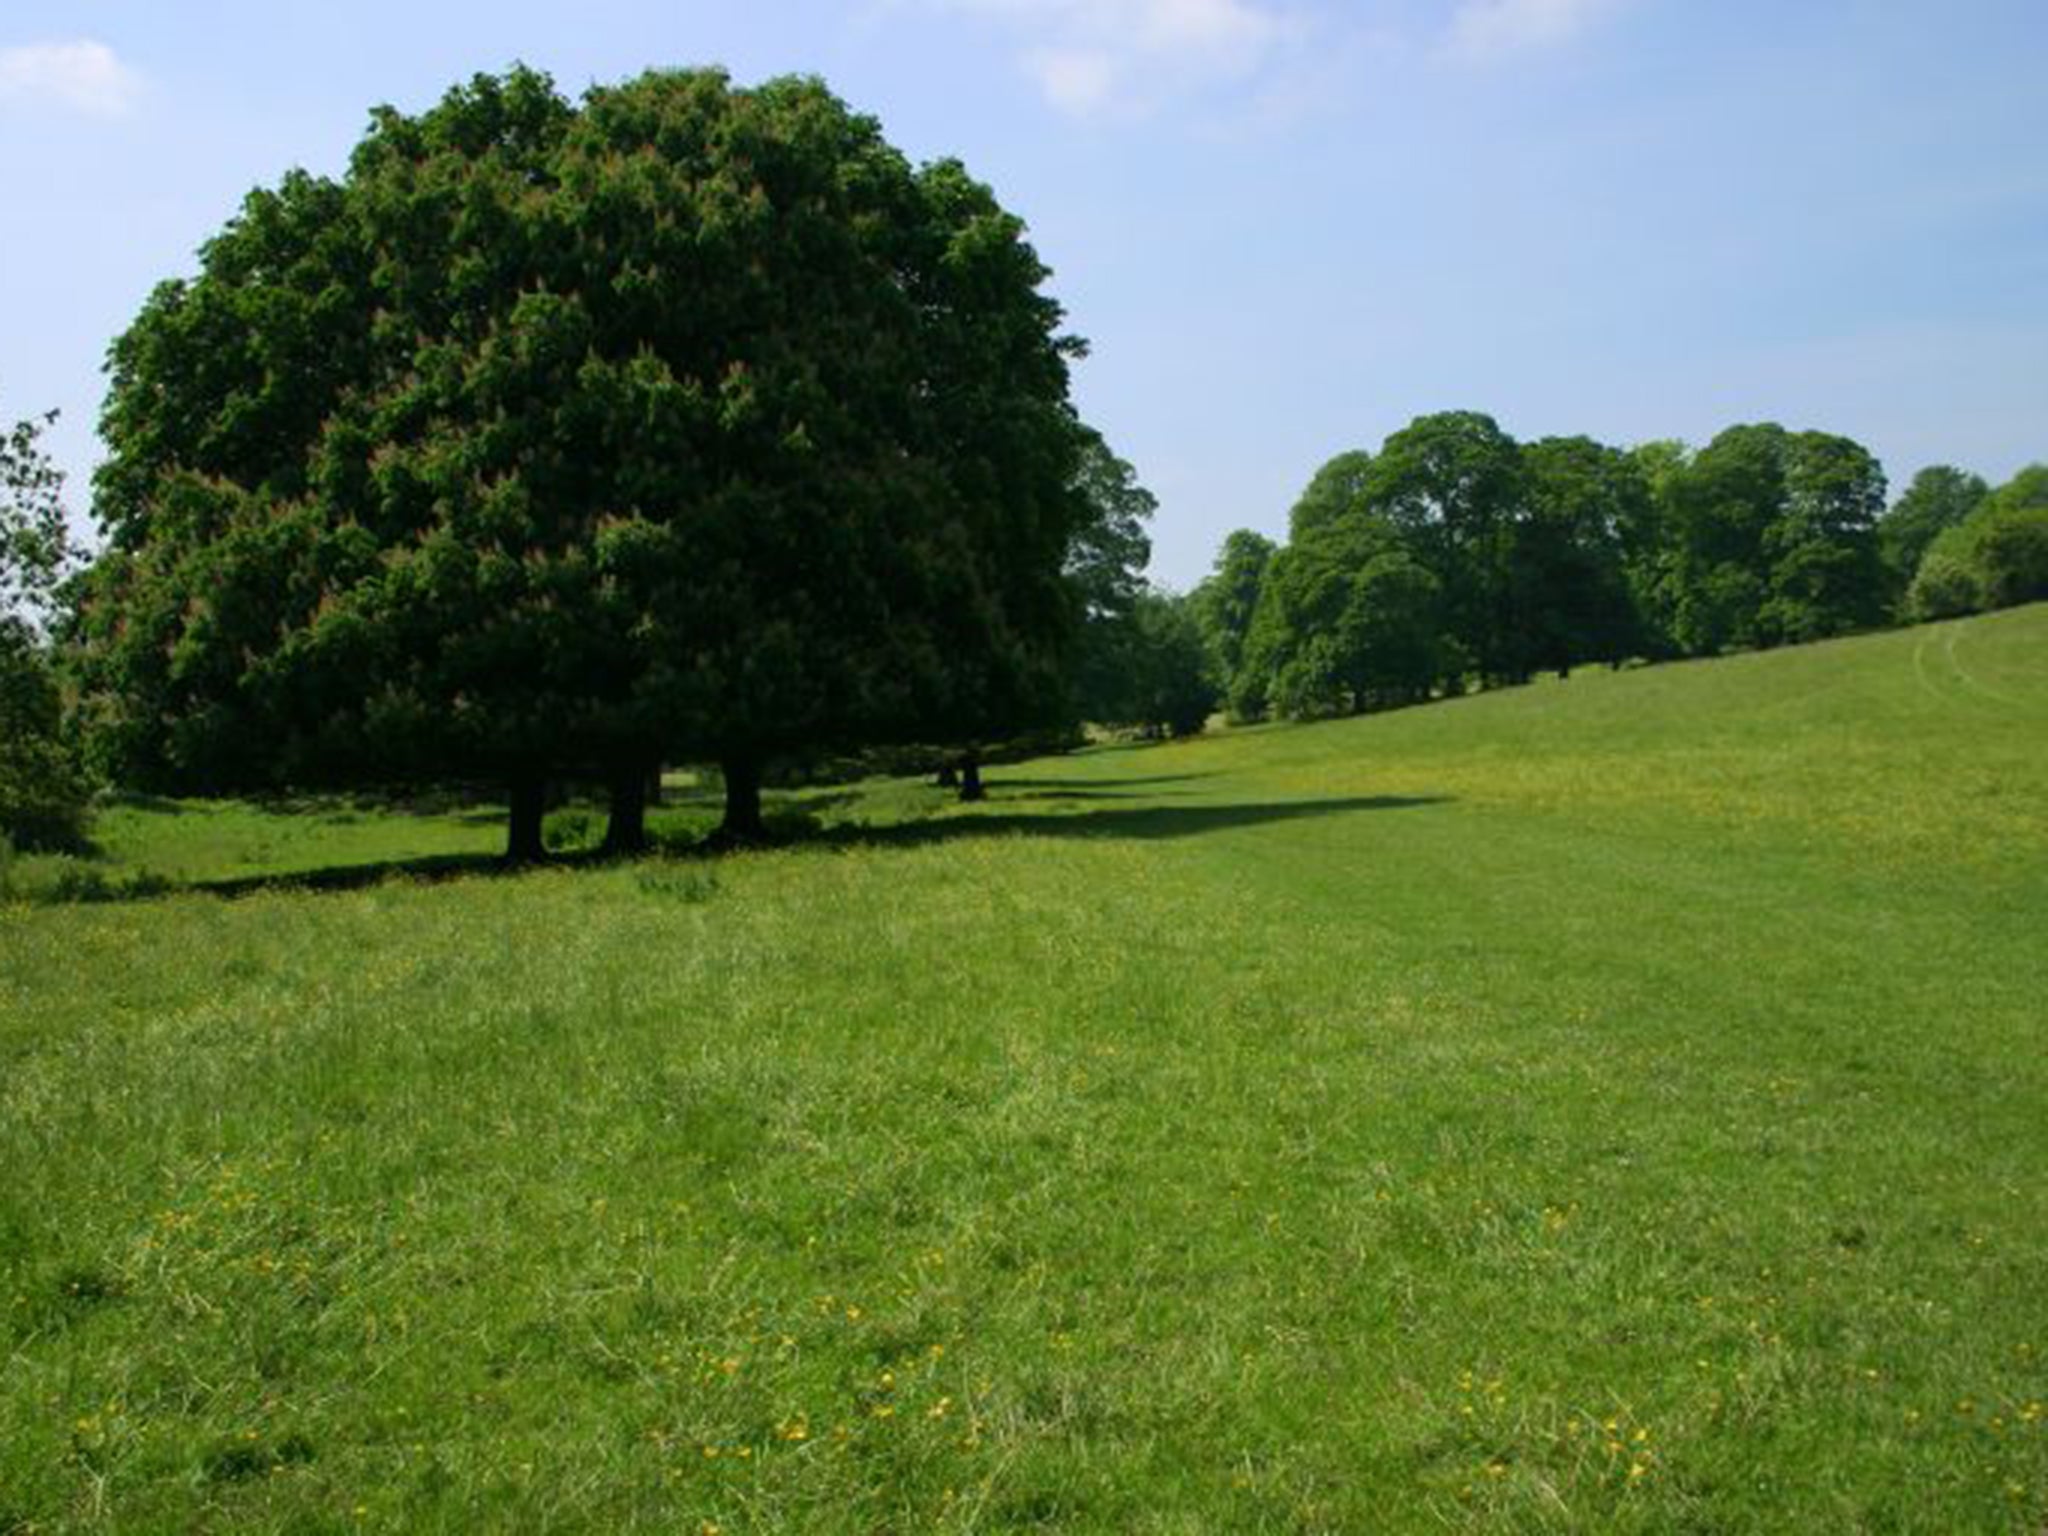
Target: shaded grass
1610, 1105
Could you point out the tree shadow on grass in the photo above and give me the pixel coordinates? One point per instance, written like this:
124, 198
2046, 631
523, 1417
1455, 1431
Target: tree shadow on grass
1145, 823
428, 869
1122, 781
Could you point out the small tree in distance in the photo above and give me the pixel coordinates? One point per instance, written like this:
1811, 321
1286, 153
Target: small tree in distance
43, 791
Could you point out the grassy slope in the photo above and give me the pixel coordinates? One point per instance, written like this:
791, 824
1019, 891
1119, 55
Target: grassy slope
1609, 1105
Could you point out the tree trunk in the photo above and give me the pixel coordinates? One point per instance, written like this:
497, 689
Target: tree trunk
742, 822
654, 790
529, 804
970, 779
625, 829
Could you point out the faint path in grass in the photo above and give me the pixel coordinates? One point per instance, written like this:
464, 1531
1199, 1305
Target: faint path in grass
1970, 680
1957, 683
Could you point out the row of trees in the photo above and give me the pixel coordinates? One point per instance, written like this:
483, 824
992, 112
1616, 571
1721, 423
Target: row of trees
1456, 555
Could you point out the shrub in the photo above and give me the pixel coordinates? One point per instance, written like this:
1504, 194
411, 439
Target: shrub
43, 790
1946, 586
2012, 556
570, 831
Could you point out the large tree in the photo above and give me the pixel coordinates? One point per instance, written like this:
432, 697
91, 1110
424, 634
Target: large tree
1348, 617
1827, 574
558, 438
1454, 485
1774, 539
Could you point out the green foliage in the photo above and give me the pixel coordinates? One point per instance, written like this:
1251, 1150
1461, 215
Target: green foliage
1350, 620
1338, 493
1570, 596
1996, 557
687, 421
1774, 540
1454, 485
1175, 690
1227, 601
43, 787
1105, 567
44, 792
571, 830
1939, 498
1152, 669
36, 554
1948, 583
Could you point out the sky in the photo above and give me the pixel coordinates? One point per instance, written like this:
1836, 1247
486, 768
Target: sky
1285, 227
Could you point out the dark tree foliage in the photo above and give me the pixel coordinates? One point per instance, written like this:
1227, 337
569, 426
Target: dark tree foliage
43, 791
1649, 545
1774, 540
1226, 601
1167, 688
555, 439
1721, 504
1570, 596
1348, 617
1454, 486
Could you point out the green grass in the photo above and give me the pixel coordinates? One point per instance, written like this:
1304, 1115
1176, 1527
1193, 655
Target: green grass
1611, 1105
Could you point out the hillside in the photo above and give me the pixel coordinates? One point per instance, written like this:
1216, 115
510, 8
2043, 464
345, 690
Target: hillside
1613, 1104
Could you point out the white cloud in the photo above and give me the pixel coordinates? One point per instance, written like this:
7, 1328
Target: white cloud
1487, 29
82, 76
1076, 80
1092, 56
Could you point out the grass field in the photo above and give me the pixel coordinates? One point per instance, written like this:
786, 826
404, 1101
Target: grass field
1611, 1105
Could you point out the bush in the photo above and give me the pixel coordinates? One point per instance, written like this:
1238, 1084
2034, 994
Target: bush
43, 790
1945, 587
1997, 557
2012, 556
570, 831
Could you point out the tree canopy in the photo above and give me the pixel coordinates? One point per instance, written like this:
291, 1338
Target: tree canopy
556, 439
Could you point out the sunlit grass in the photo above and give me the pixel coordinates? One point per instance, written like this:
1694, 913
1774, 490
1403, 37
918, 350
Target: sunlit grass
1617, 1104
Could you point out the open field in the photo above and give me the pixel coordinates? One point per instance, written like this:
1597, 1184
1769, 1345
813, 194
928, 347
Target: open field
1617, 1105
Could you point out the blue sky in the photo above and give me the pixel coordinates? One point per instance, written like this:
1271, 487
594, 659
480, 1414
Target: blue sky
1286, 226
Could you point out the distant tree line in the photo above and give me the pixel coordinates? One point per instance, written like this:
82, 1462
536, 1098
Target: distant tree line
1456, 557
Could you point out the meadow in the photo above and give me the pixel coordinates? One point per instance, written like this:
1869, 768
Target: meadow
1615, 1104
